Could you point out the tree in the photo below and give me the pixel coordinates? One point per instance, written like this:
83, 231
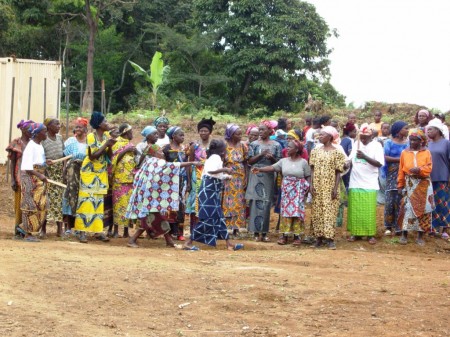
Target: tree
268, 45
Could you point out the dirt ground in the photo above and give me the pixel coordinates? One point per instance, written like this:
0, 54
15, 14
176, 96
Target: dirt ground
64, 288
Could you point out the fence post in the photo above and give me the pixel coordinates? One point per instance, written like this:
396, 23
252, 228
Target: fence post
29, 97
45, 98
67, 106
11, 122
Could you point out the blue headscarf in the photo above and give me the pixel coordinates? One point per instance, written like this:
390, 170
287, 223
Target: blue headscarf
97, 118
35, 128
148, 130
172, 131
396, 127
161, 120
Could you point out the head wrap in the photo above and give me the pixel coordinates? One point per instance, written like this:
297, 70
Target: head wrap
437, 123
397, 127
172, 131
82, 121
332, 132
270, 125
148, 130
298, 145
250, 128
365, 130
418, 132
280, 133
424, 111
349, 127
293, 134
206, 123
24, 124
161, 120
97, 118
35, 128
124, 128
48, 120
230, 130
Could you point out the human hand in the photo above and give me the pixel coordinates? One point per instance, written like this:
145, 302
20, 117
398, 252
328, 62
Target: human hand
228, 170
43, 178
49, 162
360, 155
414, 170
334, 194
14, 186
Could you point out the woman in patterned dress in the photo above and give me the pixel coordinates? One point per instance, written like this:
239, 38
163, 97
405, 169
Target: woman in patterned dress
94, 180
76, 147
260, 190
54, 149
123, 166
294, 188
327, 163
234, 188
175, 152
15, 151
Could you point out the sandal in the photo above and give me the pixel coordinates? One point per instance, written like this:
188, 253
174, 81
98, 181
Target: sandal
420, 242
297, 242
351, 239
257, 238
266, 239
331, 245
31, 239
102, 237
132, 245
372, 241
403, 240
82, 238
282, 240
193, 248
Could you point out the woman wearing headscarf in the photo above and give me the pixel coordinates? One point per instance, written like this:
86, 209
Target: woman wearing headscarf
54, 149
294, 188
327, 163
367, 157
392, 150
252, 134
234, 188
260, 190
176, 152
15, 150
197, 152
76, 147
414, 184
347, 141
422, 118
94, 179
440, 176
162, 125
123, 166
34, 202
148, 133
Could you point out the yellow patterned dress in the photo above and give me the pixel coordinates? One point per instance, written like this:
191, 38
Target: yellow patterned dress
123, 176
234, 203
93, 188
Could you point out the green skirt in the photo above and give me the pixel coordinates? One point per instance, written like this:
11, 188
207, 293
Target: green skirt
362, 212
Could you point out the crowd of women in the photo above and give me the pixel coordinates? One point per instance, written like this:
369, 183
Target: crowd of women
100, 183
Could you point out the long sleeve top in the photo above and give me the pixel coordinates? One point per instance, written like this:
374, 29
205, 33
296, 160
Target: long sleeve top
410, 159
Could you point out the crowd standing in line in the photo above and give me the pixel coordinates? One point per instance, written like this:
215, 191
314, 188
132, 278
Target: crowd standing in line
101, 183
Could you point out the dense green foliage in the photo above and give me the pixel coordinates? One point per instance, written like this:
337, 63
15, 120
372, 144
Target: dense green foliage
242, 56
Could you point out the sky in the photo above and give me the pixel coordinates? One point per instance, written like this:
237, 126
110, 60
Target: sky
394, 51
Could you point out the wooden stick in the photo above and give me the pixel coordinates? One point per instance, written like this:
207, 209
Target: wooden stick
61, 159
56, 183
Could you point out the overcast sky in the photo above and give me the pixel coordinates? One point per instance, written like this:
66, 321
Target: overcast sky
395, 51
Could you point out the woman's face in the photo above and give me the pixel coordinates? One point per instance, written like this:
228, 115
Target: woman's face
292, 149
415, 142
352, 134
352, 118
104, 126
204, 133
162, 129
129, 135
253, 135
324, 137
264, 131
237, 136
152, 138
404, 132
422, 117
365, 139
433, 132
42, 135
178, 137
79, 130
54, 126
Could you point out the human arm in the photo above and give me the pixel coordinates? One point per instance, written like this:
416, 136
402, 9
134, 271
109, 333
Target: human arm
40, 176
361, 155
104, 149
401, 175
12, 169
334, 193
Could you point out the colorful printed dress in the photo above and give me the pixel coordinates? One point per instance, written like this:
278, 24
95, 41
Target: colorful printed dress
234, 189
196, 173
54, 149
324, 209
93, 188
72, 174
122, 180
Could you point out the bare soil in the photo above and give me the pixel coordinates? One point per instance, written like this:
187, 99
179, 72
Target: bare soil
64, 288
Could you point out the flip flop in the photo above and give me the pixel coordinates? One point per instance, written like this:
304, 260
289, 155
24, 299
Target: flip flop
193, 248
238, 246
31, 239
132, 245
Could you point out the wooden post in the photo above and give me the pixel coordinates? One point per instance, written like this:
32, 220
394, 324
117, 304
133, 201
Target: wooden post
58, 99
81, 97
67, 106
45, 98
29, 97
11, 122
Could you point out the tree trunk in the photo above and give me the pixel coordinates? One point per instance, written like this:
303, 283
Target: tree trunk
244, 88
88, 97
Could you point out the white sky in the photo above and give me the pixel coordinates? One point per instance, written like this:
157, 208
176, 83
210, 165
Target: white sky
395, 51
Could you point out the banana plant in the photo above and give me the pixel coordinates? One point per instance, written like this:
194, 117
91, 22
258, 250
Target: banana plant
156, 75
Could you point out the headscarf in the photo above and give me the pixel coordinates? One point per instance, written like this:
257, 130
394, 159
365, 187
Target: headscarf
424, 111
230, 130
365, 130
270, 125
281, 133
332, 132
124, 128
48, 120
293, 134
97, 118
397, 127
24, 124
161, 120
250, 128
148, 130
172, 131
349, 127
206, 123
35, 128
418, 132
298, 145
437, 123
82, 121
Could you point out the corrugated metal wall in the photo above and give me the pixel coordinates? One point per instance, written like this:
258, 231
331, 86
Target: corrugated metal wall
36, 94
